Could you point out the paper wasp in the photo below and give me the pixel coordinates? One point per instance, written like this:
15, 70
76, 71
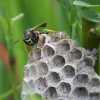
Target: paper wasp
32, 37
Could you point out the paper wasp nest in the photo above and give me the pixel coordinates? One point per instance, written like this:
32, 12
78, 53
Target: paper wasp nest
61, 71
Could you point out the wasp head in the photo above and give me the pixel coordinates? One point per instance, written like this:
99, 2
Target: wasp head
30, 37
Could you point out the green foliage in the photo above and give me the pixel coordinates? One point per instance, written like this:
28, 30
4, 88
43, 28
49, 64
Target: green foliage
74, 19
66, 4
89, 9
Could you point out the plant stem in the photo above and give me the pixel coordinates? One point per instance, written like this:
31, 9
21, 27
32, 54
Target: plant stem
89, 41
8, 36
5, 95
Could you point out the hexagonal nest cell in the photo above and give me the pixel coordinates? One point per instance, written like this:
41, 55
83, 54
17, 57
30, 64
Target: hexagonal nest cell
74, 54
47, 51
94, 84
31, 86
52, 79
61, 70
79, 93
63, 89
81, 79
42, 68
94, 96
63, 46
32, 70
50, 93
58, 61
26, 70
25, 87
68, 71
87, 62
40, 85
57, 36
34, 55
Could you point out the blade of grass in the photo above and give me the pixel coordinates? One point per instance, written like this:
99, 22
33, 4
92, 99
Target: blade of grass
6, 94
11, 53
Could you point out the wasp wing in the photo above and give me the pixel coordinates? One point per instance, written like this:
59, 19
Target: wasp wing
40, 25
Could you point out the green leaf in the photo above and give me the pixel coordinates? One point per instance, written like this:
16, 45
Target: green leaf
89, 9
66, 4
73, 15
89, 14
85, 3
4, 23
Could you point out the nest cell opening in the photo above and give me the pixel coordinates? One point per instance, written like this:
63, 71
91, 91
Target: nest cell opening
80, 92
81, 79
36, 54
68, 71
94, 83
25, 87
64, 89
32, 71
87, 62
63, 46
94, 96
26, 71
50, 93
58, 61
40, 84
48, 51
31, 86
42, 68
74, 54
53, 78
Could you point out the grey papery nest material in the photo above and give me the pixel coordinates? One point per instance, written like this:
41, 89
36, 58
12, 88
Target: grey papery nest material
61, 71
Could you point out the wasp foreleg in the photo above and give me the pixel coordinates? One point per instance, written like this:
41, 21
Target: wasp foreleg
47, 31
28, 52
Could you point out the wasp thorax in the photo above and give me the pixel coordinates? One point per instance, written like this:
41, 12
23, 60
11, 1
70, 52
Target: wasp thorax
30, 37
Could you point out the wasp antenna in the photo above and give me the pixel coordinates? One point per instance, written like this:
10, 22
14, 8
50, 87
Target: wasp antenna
15, 42
40, 25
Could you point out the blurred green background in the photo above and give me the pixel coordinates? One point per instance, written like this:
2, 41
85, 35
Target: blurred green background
15, 17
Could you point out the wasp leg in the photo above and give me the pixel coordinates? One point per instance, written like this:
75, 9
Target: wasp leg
28, 52
30, 48
48, 31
